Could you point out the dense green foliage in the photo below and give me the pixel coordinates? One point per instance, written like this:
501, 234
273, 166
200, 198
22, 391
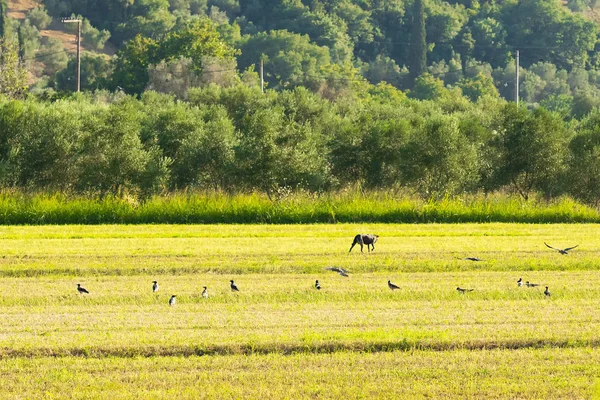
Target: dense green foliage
337, 112
13, 77
238, 139
195, 40
328, 46
418, 33
2, 16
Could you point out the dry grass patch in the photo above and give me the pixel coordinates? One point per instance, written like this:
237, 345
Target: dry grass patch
500, 374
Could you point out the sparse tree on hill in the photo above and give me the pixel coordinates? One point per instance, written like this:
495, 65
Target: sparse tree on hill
1, 19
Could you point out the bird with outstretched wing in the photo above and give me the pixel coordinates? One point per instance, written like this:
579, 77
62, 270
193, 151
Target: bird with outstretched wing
561, 251
340, 271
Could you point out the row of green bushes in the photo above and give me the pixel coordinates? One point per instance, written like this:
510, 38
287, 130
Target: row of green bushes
349, 207
241, 140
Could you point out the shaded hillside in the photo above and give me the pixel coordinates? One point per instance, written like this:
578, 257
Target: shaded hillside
333, 46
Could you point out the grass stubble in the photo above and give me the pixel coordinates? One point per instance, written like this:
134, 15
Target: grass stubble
280, 338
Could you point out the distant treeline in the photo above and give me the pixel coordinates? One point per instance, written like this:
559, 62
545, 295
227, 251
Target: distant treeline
238, 140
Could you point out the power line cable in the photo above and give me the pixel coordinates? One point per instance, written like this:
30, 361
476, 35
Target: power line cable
480, 46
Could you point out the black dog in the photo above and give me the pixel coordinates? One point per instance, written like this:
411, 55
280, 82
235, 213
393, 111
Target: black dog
369, 240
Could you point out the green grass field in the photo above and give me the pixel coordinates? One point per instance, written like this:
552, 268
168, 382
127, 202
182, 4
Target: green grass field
348, 206
279, 337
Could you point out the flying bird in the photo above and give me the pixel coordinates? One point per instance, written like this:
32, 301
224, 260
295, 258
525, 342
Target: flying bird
172, 300
531, 284
547, 292
463, 291
317, 285
472, 259
233, 286
392, 286
561, 251
205, 292
340, 271
154, 286
520, 282
81, 289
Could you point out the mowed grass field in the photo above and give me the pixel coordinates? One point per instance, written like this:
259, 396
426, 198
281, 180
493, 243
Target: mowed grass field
279, 337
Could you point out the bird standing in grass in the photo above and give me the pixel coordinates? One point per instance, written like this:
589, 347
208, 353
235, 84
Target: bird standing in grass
463, 291
154, 286
561, 251
528, 284
520, 282
234, 286
205, 292
340, 271
547, 292
81, 289
392, 286
317, 285
172, 300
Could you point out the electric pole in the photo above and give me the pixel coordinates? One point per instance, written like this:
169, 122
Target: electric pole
65, 20
262, 80
517, 78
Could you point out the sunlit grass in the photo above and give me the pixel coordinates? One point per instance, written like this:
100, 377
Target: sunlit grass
497, 374
279, 312
281, 338
291, 249
347, 206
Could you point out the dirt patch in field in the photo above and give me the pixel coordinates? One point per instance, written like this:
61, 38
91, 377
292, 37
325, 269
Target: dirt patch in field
18, 9
593, 15
69, 39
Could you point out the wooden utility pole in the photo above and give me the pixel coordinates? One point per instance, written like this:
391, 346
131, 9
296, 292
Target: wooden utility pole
65, 20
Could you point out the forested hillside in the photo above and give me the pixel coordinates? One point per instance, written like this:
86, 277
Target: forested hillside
327, 45
413, 96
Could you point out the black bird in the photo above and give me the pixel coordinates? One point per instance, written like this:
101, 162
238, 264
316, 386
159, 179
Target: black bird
531, 284
463, 291
472, 259
340, 271
392, 286
172, 300
154, 286
81, 289
317, 285
233, 286
547, 292
205, 292
520, 282
561, 251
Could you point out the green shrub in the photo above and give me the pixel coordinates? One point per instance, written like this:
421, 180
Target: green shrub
39, 18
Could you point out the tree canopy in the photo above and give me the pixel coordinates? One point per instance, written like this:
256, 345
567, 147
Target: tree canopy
465, 44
